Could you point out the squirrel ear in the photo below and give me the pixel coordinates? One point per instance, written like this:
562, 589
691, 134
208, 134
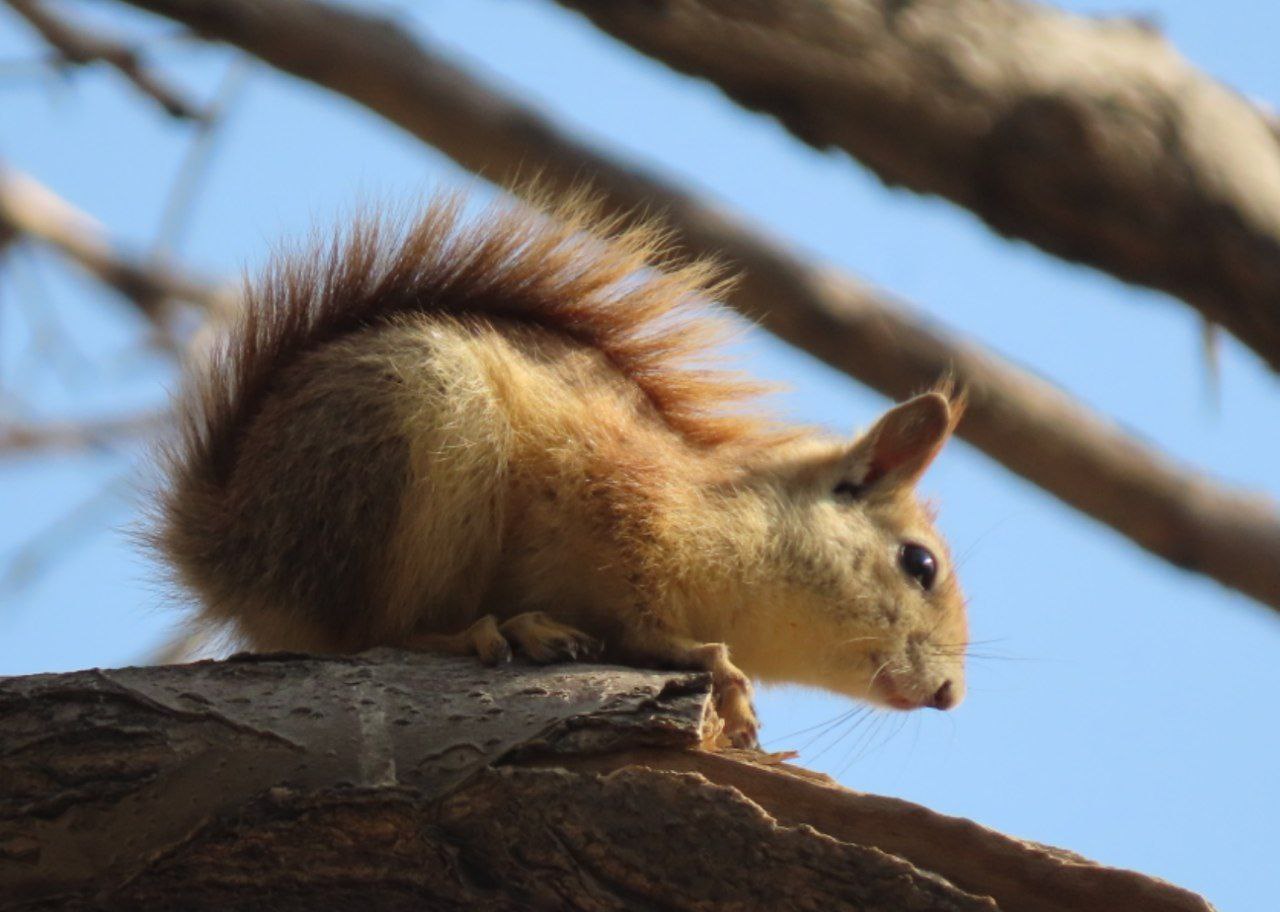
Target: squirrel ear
902, 443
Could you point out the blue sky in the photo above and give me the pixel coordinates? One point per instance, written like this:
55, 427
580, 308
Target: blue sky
1121, 709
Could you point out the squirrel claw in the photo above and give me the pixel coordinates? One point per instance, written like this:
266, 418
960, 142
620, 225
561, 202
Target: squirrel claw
733, 703
545, 640
741, 728
560, 648
494, 652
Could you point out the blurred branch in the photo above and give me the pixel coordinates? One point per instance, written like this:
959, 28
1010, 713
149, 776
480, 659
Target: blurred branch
51, 345
60, 537
1021, 421
78, 46
30, 210
74, 435
195, 163
1092, 139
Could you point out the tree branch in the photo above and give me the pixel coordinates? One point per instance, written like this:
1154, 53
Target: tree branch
399, 781
28, 209
78, 46
75, 435
1026, 424
1092, 139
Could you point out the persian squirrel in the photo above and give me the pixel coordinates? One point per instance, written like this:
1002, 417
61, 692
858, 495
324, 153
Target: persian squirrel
479, 435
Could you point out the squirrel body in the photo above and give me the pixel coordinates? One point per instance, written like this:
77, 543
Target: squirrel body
479, 436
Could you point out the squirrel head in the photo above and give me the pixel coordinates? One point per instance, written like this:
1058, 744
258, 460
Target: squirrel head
862, 580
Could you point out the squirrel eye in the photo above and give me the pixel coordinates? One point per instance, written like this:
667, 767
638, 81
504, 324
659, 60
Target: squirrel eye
847, 490
918, 563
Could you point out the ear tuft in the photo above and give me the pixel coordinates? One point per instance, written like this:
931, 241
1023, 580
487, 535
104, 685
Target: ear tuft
949, 388
906, 439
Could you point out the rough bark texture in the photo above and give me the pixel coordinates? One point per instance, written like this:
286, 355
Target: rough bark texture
1092, 139
400, 781
1028, 425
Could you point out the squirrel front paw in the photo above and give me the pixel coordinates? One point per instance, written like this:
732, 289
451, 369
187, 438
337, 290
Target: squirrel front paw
533, 633
731, 690
544, 639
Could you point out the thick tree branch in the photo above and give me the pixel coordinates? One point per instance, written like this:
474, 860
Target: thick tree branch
1093, 139
78, 46
1024, 423
30, 210
401, 781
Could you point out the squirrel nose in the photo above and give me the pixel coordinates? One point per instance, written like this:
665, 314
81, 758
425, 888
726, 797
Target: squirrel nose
945, 697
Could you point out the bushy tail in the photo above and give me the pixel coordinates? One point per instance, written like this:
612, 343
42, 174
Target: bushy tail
573, 272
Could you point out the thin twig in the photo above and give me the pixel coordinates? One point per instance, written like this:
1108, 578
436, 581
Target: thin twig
30, 210
195, 163
52, 345
28, 559
78, 46
73, 436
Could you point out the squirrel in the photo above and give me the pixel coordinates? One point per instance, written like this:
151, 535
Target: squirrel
504, 433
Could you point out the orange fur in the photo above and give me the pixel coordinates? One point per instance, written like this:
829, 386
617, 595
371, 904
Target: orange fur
507, 429
514, 263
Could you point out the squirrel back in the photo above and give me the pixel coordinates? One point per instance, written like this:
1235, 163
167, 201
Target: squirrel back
414, 433
349, 312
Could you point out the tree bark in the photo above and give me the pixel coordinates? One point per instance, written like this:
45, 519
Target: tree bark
1092, 139
394, 780
1026, 424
